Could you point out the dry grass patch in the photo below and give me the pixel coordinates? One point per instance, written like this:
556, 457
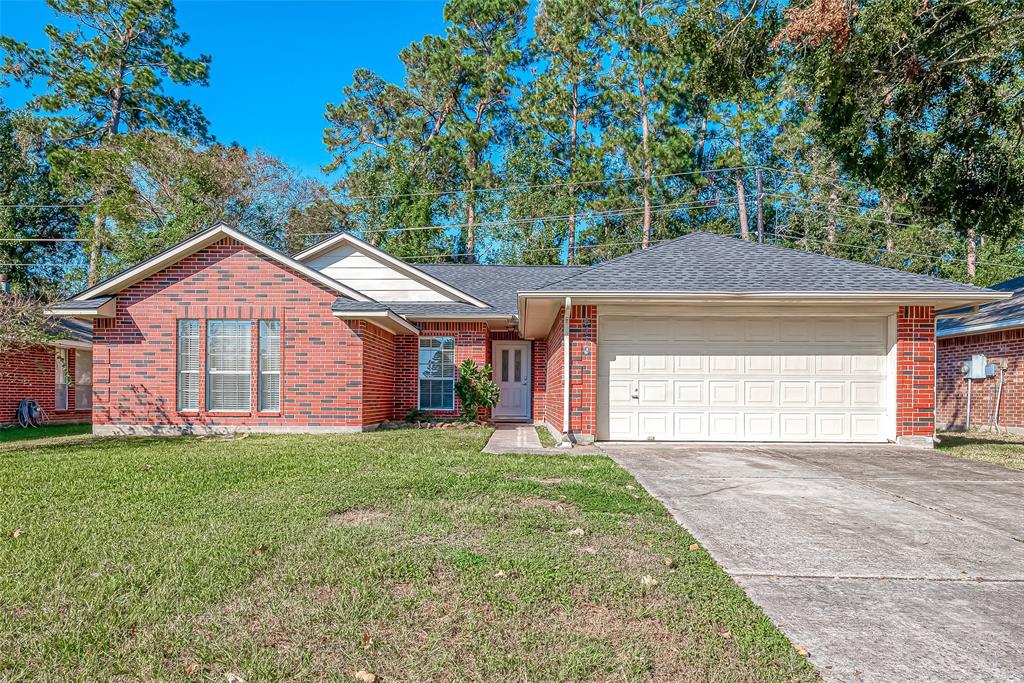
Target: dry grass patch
358, 517
1005, 450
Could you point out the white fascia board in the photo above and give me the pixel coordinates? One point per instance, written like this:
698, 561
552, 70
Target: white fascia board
197, 242
387, 320
67, 310
388, 260
70, 344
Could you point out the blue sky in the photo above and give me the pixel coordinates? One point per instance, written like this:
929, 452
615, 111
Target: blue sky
276, 63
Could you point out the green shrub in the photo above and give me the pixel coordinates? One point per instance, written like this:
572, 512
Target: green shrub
475, 389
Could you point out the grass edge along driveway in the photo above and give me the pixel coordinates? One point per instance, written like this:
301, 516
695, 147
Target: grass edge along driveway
407, 554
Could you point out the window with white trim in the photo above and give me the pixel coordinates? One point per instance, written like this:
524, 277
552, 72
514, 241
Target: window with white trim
437, 373
188, 365
83, 380
269, 386
229, 365
60, 365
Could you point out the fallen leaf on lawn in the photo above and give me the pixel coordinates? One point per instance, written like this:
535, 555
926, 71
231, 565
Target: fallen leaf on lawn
233, 677
577, 532
669, 562
192, 669
800, 650
500, 574
694, 546
15, 533
365, 676
259, 550
630, 487
726, 635
648, 580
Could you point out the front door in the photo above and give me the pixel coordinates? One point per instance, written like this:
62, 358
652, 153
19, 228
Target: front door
512, 374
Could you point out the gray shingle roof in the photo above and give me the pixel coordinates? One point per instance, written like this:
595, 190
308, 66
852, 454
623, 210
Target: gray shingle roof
702, 262
436, 308
497, 285
343, 305
84, 303
997, 315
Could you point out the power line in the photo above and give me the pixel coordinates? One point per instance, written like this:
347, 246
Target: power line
41, 239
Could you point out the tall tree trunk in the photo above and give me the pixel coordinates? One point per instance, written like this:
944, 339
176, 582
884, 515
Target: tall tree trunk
98, 219
573, 137
833, 207
760, 207
741, 195
645, 129
698, 156
470, 255
972, 254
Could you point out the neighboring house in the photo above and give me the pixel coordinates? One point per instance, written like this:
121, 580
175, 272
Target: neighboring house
699, 338
996, 331
58, 375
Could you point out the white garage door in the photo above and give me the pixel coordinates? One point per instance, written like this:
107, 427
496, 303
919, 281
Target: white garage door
742, 379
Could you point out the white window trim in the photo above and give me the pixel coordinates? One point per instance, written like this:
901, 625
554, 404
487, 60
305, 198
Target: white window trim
419, 392
208, 371
60, 379
260, 372
177, 366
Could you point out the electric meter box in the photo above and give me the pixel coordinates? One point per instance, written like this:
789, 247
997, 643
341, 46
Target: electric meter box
975, 367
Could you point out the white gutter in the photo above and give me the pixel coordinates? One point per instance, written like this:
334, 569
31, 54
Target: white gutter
565, 368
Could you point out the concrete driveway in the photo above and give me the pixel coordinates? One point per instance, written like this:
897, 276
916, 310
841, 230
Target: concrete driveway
887, 564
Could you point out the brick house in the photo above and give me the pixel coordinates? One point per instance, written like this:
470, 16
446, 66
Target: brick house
699, 338
995, 330
58, 375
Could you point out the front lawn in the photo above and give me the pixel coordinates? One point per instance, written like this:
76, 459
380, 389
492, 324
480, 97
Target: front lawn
17, 433
1001, 449
408, 554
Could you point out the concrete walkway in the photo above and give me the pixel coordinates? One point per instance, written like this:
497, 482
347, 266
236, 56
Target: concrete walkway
887, 564
515, 438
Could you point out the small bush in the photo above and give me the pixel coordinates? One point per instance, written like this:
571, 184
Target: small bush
417, 415
475, 389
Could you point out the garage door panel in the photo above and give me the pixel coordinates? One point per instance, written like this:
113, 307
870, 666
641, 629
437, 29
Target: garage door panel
690, 426
689, 364
760, 426
654, 392
830, 426
620, 392
689, 393
830, 393
722, 365
752, 379
654, 425
759, 393
797, 393
724, 393
795, 427
653, 364
725, 426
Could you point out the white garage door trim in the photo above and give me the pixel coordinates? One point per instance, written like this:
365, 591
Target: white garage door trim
826, 378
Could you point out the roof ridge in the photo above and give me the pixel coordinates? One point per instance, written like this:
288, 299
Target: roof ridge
885, 269
632, 253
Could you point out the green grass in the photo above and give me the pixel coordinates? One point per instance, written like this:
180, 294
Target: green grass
409, 554
546, 439
1001, 449
19, 433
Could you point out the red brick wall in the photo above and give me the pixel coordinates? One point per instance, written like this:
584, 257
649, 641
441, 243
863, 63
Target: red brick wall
472, 340
554, 405
915, 371
951, 409
583, 371
30, 373
378, 374
135, 354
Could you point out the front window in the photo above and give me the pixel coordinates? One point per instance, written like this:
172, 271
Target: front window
60, 398
437, 373
83, 380
270, 365
229, 365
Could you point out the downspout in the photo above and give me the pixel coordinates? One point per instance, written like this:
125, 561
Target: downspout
566, 432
